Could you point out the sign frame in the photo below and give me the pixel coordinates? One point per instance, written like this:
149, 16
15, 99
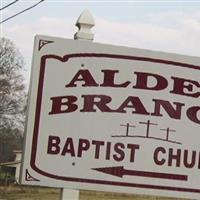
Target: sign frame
35, 103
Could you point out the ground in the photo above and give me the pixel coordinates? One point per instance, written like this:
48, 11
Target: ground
38, 193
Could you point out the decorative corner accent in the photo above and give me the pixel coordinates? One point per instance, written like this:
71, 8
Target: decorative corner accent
28, 177
43, 43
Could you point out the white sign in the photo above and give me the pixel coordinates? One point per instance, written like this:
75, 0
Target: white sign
111, 118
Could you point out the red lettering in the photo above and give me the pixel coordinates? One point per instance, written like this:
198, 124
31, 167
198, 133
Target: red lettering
97, 144
109, 79
192, 114
132, 102
85, 76
63, 104
83, 145
157, 151
119, 156
193, 159
100, 101
185, 87
143, 81
199, 161
174, 113
69, 147
108, 150
133, 148
174, 156
53, 145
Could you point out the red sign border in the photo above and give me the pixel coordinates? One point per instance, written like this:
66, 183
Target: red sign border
38, 110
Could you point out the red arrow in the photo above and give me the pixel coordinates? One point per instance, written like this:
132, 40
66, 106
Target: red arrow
120, 172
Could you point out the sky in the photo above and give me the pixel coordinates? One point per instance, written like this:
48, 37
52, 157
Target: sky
168, 26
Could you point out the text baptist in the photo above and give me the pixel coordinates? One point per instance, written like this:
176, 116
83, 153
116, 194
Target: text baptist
103, 103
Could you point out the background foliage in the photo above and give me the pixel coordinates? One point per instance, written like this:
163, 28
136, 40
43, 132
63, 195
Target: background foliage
12, 99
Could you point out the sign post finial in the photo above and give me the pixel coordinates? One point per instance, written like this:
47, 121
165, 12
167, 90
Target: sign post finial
84, 23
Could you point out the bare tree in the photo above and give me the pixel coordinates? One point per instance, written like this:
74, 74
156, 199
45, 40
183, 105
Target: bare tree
12, 92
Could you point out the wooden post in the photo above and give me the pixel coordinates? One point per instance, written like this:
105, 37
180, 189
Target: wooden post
84, 23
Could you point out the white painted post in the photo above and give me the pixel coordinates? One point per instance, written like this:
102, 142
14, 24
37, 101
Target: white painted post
84, 23
69, 194
18, 158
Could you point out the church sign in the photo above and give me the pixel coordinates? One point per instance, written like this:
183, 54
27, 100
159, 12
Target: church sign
111, 118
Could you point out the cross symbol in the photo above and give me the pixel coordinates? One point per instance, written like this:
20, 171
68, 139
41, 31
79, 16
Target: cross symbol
148, 123
127, 127
168, 131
